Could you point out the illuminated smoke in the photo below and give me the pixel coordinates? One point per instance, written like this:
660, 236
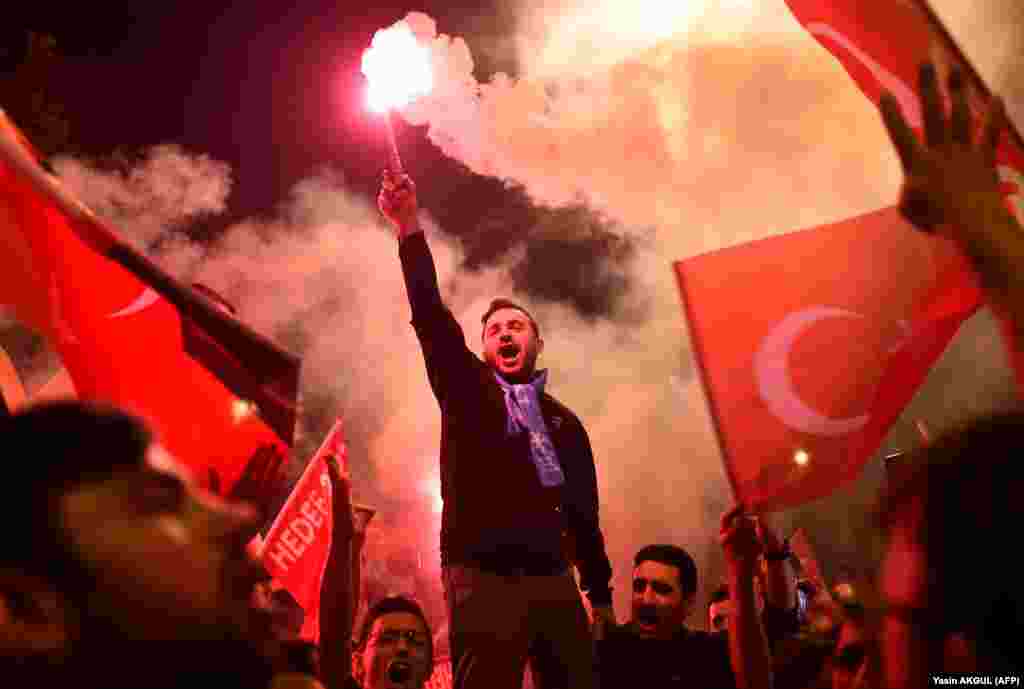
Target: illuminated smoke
688, 127
718, 134
165, 189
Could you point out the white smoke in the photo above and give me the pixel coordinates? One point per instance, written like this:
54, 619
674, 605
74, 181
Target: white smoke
689, 131
693, 126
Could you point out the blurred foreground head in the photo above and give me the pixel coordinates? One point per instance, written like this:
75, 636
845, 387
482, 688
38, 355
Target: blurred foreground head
116, 570
952, 598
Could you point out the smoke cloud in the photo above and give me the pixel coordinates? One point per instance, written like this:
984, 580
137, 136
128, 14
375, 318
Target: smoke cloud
678, 133
685, 129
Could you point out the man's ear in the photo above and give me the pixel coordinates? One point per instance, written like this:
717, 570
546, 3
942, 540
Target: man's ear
34, 616
540, 345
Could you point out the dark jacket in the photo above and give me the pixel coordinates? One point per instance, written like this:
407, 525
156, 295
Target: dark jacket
496, 512
692, 659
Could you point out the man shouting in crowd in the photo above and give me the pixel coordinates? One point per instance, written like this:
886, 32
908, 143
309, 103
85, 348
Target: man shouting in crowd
517, 473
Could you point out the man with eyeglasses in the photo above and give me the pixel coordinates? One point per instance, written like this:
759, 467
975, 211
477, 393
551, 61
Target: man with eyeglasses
657, 649
395, 649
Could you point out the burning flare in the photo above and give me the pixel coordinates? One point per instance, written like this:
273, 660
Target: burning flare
397, 67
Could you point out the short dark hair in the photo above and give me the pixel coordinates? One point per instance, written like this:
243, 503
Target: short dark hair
63, 444
503, 303
387, 606
673, 556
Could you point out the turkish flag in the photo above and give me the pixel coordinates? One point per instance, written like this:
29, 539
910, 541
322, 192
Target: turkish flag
297, 544
810, 344
881, 45
129, 335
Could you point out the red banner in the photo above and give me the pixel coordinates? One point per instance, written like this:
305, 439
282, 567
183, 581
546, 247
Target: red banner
297, 544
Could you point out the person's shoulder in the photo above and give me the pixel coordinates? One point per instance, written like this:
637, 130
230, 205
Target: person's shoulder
557, 409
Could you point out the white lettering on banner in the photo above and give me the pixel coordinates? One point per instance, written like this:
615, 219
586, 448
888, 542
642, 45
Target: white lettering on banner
301, 527
280, 555
299, 533
314, 517
288, 539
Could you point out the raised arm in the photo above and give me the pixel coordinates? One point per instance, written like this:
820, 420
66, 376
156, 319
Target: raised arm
780, 577
951, 186
748, 647
336, 609
440, 336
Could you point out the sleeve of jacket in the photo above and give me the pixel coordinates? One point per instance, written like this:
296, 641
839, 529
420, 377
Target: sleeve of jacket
441, 338
584, 526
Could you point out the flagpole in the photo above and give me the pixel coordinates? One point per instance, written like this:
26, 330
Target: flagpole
954, 47
265, 373
395, 160
709, 399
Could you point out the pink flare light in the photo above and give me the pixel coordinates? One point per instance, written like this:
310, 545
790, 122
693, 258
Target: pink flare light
397, 67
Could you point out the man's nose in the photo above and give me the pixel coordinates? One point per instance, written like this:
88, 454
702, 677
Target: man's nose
649, 596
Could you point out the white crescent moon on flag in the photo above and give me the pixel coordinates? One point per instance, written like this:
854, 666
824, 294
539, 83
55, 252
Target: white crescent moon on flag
142, 302
887, 80
771, 371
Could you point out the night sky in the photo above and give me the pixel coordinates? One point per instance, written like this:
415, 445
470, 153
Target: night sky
275, 92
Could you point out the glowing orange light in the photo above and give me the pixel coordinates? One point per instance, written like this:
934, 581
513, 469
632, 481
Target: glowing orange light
241, 410
432, 489
397, 67
801, 457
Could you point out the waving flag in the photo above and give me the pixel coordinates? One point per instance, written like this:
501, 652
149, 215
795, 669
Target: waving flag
881, 45
804, 381
297, 544
216, 392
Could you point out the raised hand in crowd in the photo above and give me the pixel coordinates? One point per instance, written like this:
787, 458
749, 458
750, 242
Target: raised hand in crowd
336, 599
780, 578
397, 202
362, 515
951, 184
748, 647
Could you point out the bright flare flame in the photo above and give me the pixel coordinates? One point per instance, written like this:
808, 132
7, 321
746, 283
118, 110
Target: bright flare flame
397, 67
801, 457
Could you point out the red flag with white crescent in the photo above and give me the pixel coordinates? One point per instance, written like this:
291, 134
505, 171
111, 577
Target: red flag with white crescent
881, 45
805, 380
216, 393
